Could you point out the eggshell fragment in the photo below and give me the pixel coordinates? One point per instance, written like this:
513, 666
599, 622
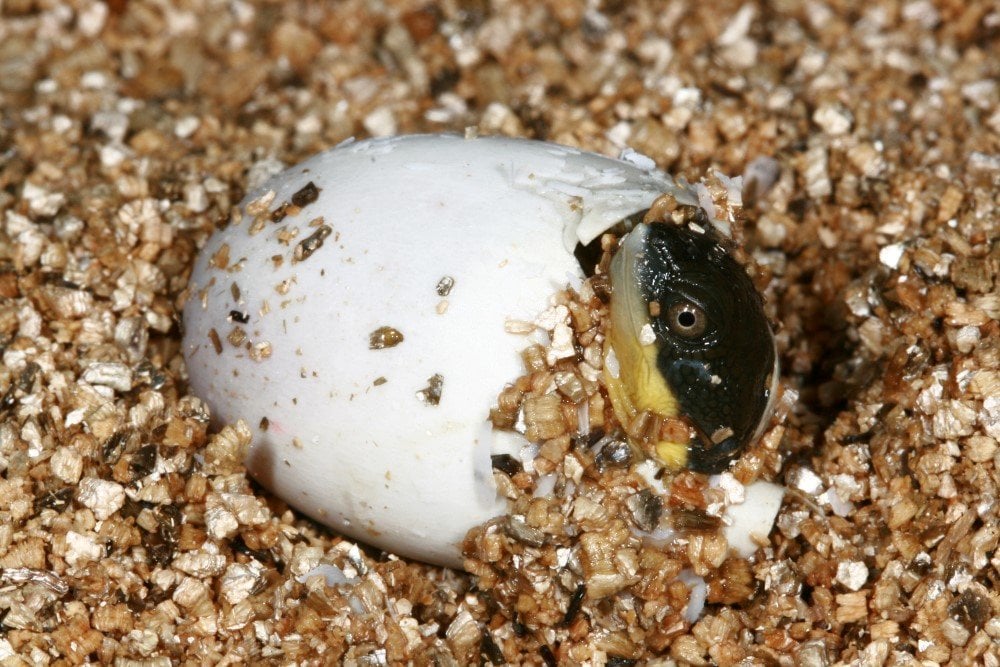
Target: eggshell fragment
752, 520
390, 444
746, 521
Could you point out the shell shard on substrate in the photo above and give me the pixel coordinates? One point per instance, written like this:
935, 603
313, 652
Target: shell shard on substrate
344, 430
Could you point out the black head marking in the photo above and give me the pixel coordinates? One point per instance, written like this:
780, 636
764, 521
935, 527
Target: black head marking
715, 348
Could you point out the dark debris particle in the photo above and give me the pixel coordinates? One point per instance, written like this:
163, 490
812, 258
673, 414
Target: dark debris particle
159, 551
8, 400
489, 601
240, 546
27, 377
489, 650
971, 609
444, 286
379, 381
155, 596
615, 453
921, 565
130, 508
601, 284
506, 464
646, 509
431, 394
694, 520
853, 438
384, 337
306, 195
265, 423
136, 604
575, 605
169, 519
143, 461
588, 440
154, 376
238, 316
546, 653
114, 446
59, 281
444, 80
620, 661
56, 499
279, 214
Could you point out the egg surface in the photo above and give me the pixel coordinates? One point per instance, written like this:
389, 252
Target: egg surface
356, 318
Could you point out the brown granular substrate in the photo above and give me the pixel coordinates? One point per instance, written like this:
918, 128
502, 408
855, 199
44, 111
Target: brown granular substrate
130, 535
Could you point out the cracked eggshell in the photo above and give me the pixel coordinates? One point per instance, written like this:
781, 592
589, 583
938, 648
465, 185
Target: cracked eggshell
279, 317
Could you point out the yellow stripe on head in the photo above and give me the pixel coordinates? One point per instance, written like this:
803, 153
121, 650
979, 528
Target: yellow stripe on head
638, 385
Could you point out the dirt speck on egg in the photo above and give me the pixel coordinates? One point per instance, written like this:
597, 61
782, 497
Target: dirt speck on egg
431, 394
216, 341
383, 337
307, 246
306, 195
445, 285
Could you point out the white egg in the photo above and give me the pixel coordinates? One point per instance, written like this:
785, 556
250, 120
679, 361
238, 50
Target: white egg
280, 316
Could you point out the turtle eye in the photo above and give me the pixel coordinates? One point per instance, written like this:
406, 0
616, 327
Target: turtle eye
686, 319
